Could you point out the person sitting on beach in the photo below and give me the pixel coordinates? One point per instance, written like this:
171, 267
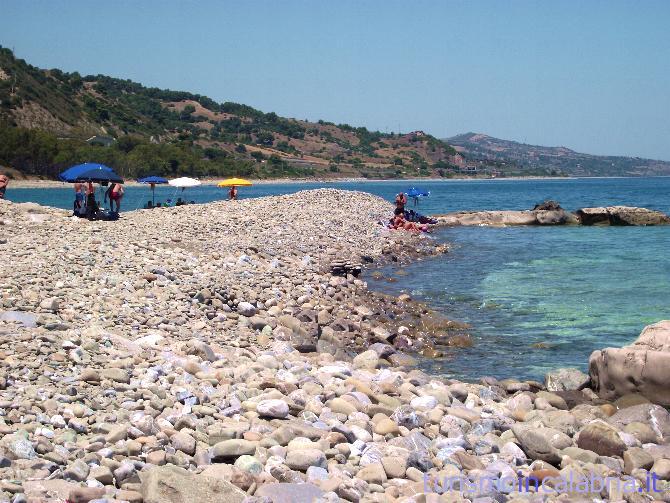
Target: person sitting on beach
4, 181
400, 201
180, 202
149, 205
398, 222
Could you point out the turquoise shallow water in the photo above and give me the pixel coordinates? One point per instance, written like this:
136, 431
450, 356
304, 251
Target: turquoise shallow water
571, 290
568, 289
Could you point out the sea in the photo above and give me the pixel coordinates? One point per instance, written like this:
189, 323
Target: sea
536, 298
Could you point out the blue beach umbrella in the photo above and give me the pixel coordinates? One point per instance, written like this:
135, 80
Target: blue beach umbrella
157, 180
70, 175
98, 175
153, 181
414, 192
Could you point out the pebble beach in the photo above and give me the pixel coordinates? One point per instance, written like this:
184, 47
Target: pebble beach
209, 353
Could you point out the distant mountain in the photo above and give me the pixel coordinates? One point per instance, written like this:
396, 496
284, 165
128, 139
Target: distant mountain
50, 119
514, 156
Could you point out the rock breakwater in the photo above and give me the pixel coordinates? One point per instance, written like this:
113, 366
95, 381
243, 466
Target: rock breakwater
553, 214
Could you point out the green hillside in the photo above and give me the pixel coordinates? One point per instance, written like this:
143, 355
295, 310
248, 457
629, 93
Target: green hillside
47, 116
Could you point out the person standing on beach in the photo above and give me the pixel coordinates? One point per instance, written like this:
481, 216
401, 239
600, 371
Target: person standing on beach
115, 193
78, 196
4, 181
91, 204
401, 201
232, 193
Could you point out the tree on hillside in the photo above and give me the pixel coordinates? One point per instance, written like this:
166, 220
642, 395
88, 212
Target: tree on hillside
185, 114
265, 138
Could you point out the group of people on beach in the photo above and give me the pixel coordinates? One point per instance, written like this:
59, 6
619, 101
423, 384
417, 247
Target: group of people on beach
84, 199
407, 220
180, 202
85, 204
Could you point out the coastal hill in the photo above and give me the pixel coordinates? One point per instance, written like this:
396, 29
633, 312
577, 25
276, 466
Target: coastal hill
50, 119
557, 160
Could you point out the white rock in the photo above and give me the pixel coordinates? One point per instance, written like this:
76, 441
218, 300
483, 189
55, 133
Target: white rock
246, 309
272, 408
58, 421
424, 402
335, 369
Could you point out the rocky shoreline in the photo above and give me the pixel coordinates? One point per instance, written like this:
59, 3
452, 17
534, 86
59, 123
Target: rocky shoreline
208, 353
551, 213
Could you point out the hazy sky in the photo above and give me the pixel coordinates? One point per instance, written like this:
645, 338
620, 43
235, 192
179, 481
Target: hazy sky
593, 76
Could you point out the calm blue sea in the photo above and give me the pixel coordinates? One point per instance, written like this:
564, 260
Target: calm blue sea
537, 298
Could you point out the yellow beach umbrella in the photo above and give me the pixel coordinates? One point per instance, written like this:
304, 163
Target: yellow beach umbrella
229, 182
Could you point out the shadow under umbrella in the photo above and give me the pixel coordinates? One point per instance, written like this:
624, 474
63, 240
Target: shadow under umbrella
91, 173
153, 181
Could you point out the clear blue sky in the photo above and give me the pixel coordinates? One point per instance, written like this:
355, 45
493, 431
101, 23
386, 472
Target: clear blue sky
590, 75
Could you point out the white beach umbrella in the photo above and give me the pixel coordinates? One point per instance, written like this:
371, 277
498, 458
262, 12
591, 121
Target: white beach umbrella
184, 181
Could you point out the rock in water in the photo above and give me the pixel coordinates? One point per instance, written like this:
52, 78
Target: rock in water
549, 214
621, 215
643, 367
171, 484
548, 205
